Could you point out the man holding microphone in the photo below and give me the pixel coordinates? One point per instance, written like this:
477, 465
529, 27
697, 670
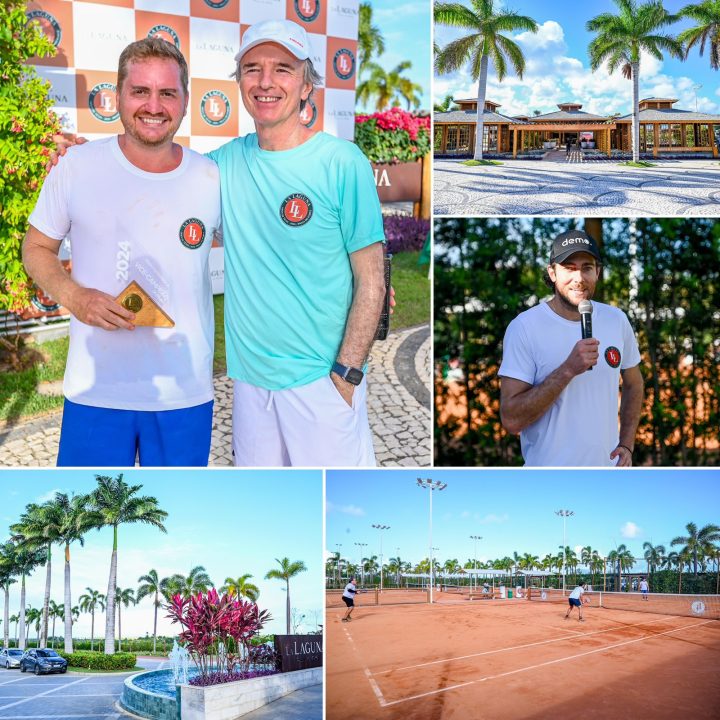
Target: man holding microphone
559, 381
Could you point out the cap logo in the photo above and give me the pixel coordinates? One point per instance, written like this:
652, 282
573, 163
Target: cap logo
612, 356
215, 108
573, 241
101, 102
296, 210
165, 32
344, 64
192, 233
49, 26
307, 10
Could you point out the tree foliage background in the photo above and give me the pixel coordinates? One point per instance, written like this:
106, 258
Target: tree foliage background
664, 273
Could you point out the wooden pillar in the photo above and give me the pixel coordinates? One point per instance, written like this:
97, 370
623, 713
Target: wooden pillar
656, 135
422, 208
713, 144
515, 141
609, 143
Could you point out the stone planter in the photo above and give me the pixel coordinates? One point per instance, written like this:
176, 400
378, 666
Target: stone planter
399, 182
233, 700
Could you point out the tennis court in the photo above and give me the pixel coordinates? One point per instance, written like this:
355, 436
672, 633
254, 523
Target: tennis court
462, 658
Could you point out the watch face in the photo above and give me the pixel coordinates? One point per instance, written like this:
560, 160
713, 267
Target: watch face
354, 376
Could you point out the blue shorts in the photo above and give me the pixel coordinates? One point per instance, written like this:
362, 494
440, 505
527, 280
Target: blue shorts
574, 602
93, 436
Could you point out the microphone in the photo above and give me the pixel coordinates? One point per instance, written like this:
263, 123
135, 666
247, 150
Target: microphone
585, 309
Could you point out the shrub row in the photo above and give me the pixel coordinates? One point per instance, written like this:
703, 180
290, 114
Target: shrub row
404, 232
100, 661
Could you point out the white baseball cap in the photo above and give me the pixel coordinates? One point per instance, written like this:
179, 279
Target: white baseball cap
283, 32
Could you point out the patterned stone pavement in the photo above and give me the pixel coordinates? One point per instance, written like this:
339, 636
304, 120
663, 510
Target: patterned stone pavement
602, 188
398, 399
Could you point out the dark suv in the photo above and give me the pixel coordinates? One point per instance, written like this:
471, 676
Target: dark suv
42, 661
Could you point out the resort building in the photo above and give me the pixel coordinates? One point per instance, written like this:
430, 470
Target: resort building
663, 129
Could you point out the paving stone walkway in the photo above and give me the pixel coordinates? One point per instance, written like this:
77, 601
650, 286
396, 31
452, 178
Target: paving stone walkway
398, 404
603, 188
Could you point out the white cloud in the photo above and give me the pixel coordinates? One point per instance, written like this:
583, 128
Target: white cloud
549, 34
630, 530
492, 518
49, 495
345, 509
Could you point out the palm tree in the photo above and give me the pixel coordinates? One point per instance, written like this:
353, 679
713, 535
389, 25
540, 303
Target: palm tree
707, 30
114, 503
37, 529
620, 40
654, 556
198, 581
286, 571
389, 87
446, 105
25, 561
54, 611
596, 564
88, 603
124, 597
15, 619
75, 521
486, 41
697, 541
152, 585
370, 39
240, 587
33, 615
7, 570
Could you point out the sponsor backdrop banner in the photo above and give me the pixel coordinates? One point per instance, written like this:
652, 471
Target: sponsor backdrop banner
89, 37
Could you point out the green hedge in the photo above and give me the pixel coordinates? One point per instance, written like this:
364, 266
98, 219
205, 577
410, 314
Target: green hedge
100, 661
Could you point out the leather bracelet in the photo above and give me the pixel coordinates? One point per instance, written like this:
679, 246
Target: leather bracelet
626, 447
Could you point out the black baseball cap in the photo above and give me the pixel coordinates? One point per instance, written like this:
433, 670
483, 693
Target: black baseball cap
571, 242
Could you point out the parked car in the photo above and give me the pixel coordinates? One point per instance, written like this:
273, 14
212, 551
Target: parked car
42, 661
10, 658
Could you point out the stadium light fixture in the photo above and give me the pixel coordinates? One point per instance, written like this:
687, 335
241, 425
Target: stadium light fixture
362, 565
431, 485
381, 528
564, 514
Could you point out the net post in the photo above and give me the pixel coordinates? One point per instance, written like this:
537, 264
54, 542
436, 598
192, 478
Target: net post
377, 596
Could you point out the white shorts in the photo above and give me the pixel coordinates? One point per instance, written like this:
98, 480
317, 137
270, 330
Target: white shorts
306, 426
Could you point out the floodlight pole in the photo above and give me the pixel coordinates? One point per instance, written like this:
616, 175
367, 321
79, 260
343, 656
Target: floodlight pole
564, 514
475, 538
381, 528
696, 88
362, 568
431, 485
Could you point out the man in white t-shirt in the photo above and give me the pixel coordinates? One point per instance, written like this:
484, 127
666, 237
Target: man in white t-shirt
575, 600
136, 207
560, 392
644, 588
348, 597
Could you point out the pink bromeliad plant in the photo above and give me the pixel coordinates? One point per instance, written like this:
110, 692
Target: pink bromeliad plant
217, 630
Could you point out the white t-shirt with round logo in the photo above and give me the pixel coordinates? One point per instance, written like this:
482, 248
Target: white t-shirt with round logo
581, 427
126, 224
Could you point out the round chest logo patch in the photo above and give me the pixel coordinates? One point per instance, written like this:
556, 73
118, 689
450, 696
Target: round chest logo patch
49, 26
296, 209
192, 233
612, 356
101, 101
165, 32
307, 10
308, 116
215, 107
344, 64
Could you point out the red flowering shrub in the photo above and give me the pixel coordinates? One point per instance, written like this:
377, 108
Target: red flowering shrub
217, 630
393, 136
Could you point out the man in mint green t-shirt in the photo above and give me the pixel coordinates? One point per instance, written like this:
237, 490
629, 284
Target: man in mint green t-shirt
304, 268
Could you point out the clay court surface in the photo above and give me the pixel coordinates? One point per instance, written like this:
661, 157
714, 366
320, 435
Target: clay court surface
517, 659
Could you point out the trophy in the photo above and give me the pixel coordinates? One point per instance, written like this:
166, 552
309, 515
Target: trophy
146, 305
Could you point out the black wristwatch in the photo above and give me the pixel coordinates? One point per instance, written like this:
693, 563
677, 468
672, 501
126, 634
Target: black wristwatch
349, 374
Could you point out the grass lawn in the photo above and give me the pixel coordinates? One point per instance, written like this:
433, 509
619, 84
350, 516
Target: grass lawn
639, 164
474, 163
85, 671
18, 389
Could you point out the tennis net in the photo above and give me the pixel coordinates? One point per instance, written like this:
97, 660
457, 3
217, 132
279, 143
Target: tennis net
705, 606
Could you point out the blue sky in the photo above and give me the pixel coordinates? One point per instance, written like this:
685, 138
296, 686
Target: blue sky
406, 27
231, 522
513, 510
558, 68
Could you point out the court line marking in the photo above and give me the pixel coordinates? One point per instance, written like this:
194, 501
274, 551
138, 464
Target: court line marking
47, 692
518, 647
373, 683
544, 664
